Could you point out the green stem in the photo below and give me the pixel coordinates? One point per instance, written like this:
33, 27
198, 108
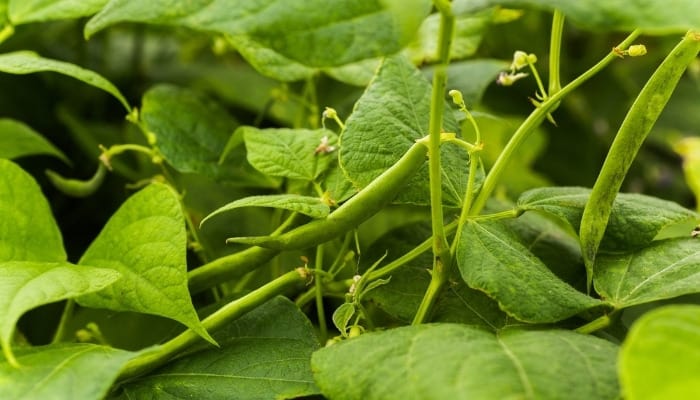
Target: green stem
319, 295
540, 85
65, 317
226, 314
534, 120
555, 52
595, 325
441, 251
228, 267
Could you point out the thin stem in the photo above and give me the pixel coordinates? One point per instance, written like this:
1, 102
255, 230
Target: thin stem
555, 52
319, 295
228, 267
441, 251
65, 317
227, 313
595, 325
540, 86
534, 120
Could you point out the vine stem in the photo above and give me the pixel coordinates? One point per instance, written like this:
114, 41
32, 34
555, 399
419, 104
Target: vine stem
441, 249
320, 311
555, 52
150, 360
534, 120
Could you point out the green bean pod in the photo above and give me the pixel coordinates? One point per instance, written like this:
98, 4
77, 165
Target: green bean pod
634, 129
353, 212
76, 187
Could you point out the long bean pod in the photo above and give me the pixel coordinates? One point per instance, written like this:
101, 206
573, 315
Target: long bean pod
634, 129
353, 212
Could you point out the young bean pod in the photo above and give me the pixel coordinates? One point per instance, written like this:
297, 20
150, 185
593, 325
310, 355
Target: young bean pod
76, 187
353, 212
634, 129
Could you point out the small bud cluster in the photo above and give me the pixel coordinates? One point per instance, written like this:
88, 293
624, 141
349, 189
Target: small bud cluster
520, 61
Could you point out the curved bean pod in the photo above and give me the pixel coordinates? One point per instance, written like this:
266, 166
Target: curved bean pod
634, 129
76, 187
353, 212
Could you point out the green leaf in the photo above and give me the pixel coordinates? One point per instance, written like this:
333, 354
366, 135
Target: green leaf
62, 371
290, 153
311, 206
28, 284
312, 32
450, 361
666, 269
269, 62
342, 316
337, 185
616, 15
24, 11
190, 129
466, 37
28, 231
19, 140
146, 241
390, 116
634, 221
27, 62
659, 357
492, 260
264, 355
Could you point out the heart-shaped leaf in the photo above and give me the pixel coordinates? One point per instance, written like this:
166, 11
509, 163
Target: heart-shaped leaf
390, 116
290, 153
27, 284
666, 269
491, 259
450, 361
146, 241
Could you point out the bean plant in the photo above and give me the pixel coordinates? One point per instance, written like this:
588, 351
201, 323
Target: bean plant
349, 199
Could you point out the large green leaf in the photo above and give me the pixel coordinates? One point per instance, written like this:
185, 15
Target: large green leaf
62, 371
19, 140
386, 121
264, 355
660, 358
666, 269
28, 231
619, 15
290, 153
634, 222
190, 129
449, 361
28, 284
24, 11
312, 32
146, 241
28, 62
492, 260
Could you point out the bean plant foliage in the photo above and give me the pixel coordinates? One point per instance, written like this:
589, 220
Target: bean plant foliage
349, 199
